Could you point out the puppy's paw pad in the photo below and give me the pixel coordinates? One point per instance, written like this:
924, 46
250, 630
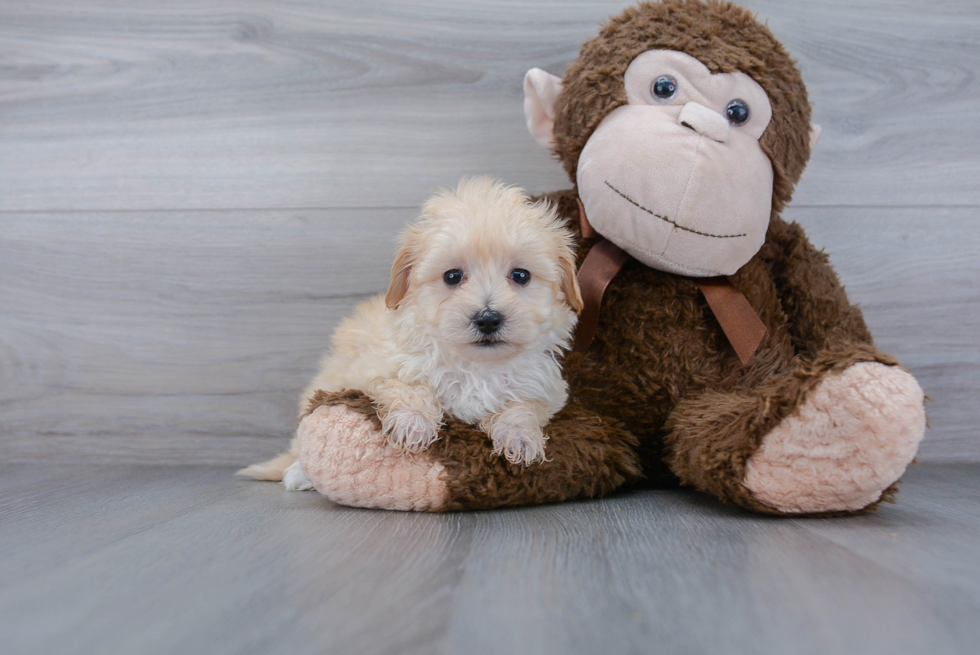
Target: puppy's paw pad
518, 444
293, 478
409, 429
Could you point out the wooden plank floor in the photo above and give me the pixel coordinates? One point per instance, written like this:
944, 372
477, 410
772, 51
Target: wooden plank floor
194, 193
139, 559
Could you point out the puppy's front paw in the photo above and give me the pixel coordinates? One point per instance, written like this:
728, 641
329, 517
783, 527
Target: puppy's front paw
409, 429
517, 443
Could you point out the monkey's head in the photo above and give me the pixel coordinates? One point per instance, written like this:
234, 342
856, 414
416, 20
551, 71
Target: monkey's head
684, 125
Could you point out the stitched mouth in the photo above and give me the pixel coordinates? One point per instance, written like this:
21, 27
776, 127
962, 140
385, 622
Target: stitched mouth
666, 219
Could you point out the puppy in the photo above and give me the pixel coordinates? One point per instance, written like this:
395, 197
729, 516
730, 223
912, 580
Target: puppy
482, 300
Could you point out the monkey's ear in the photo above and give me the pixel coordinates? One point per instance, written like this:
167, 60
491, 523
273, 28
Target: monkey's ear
815, 131
541, 89
400, 270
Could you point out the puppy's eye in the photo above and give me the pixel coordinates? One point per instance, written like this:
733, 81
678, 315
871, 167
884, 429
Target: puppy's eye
520, 276
452, 277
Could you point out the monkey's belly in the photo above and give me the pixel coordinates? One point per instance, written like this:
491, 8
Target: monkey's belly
654, 345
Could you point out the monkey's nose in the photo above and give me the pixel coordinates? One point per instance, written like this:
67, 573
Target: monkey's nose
704, 121
488, 321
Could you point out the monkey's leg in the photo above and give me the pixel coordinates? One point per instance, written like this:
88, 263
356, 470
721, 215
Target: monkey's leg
348, 460
834, 435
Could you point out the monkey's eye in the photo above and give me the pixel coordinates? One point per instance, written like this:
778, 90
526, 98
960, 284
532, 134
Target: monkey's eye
664, 88
452, 277
520, 276
737, 112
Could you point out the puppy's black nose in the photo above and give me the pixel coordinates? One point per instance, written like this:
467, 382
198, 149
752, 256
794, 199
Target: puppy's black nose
488, 321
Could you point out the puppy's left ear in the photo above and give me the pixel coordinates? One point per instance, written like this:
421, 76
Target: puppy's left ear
569, 283
400, 270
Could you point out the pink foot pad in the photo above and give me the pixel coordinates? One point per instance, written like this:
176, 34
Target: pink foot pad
849, 441
350, 462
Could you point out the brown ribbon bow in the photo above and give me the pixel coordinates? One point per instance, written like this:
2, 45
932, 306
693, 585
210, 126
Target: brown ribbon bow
735, 314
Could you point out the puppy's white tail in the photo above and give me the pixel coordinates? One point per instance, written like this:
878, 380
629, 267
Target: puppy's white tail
273, 469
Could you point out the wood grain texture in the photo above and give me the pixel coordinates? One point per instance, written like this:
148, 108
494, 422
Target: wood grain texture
191, 559
186, 337
196, 329
249, 104
193, 194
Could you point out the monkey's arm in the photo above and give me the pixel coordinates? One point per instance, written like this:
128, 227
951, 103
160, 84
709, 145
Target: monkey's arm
831, 434
820, 315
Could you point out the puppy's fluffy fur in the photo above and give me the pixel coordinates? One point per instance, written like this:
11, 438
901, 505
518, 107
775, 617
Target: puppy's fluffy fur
419, 350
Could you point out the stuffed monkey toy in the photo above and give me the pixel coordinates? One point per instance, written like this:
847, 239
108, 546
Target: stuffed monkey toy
717, 348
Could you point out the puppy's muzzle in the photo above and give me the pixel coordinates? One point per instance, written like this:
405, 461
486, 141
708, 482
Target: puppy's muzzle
488, 322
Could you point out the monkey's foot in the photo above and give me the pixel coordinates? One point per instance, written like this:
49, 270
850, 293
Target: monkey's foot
347, 459
850, 440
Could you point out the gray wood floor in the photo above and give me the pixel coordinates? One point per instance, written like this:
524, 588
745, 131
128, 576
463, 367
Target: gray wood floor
139, 559
194, 193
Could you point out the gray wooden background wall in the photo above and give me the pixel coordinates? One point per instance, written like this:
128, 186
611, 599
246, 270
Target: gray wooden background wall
193, 193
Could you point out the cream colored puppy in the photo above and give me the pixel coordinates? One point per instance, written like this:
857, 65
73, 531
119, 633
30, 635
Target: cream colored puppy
481, 302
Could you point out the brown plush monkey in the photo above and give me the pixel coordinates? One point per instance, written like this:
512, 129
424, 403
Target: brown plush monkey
685, 126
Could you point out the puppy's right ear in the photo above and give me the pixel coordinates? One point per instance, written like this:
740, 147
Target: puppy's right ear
400, 270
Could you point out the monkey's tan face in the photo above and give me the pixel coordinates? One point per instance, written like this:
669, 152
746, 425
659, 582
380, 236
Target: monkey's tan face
677, 177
